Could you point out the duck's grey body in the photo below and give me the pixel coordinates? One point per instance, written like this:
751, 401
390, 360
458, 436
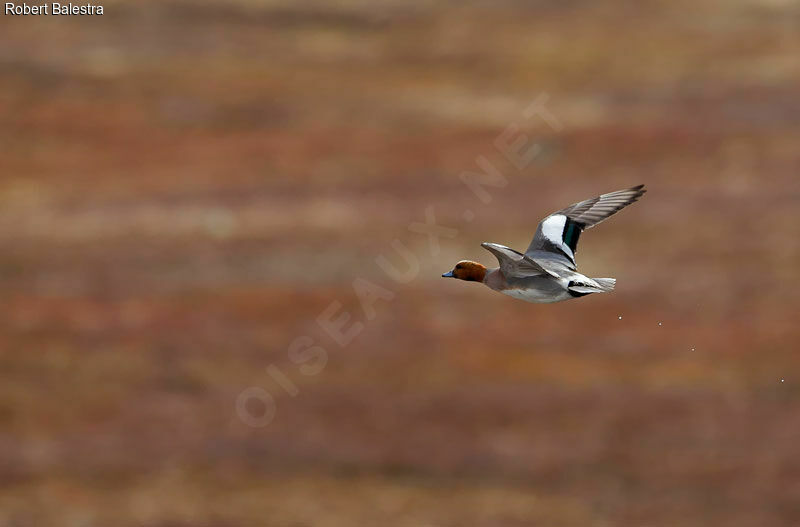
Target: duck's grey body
547, 271
539, 289
546, 289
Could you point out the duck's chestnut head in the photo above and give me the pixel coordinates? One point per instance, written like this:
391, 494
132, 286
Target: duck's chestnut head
467, 270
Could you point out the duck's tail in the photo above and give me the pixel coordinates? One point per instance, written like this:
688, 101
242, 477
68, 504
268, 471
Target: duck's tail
592, 285
606, 284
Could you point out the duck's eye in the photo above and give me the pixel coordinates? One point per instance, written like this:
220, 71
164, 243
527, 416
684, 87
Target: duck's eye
458, 266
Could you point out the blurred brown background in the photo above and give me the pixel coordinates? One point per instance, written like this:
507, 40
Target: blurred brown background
186, 186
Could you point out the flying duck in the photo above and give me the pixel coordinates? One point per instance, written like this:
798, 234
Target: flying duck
547, 271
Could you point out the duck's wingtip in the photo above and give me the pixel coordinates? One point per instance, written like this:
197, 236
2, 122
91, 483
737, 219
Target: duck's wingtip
638, 192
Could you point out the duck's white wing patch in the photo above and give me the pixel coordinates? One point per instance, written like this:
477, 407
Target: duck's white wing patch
514, 263
553, 230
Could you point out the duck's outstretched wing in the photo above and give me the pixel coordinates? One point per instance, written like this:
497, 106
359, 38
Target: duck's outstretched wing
514, 263
556, 238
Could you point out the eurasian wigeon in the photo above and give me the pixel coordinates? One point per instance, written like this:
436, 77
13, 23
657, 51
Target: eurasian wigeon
547, 272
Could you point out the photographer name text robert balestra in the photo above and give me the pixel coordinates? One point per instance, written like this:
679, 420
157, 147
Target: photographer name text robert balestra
52, 9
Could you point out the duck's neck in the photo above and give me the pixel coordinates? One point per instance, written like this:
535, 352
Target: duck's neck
494, 279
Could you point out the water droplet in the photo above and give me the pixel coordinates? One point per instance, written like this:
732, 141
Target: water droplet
659, 323
620, 317
781, 380
692, 349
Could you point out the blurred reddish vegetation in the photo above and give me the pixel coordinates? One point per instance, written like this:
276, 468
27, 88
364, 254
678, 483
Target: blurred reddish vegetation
186, 186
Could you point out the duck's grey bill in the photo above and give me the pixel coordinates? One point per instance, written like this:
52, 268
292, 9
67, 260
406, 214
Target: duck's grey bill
448, 274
